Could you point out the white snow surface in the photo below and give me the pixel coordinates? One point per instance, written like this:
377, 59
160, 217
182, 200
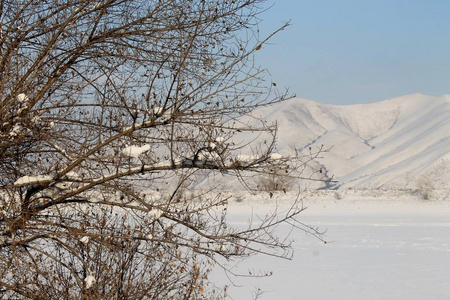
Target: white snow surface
276, 156
84, 240
155, 213
15, 130
380, 245
135, 151
89, 280
377, 145
158, 110
246, 158
22, 98
32, 179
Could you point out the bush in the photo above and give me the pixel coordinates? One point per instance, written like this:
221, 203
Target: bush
425, 187
275, 182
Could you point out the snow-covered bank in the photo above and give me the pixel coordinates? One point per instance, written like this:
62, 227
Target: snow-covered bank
342, 200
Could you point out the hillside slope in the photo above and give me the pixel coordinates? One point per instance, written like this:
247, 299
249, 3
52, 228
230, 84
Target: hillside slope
387, 144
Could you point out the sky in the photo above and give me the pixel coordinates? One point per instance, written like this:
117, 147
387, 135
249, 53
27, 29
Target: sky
358, 51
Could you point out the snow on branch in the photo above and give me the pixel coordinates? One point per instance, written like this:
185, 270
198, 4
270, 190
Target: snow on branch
29, 180
135, 151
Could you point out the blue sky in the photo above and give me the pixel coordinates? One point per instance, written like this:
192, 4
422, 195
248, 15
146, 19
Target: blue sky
358, 51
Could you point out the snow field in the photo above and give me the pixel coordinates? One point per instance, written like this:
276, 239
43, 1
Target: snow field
377, 248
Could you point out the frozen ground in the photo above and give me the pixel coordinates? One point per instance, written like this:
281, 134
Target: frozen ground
382, 247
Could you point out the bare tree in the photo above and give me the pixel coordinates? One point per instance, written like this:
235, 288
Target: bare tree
102, 105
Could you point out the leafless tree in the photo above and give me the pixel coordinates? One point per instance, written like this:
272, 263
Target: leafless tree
109, 109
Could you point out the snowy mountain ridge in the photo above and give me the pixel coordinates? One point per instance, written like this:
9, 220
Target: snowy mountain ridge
388, 144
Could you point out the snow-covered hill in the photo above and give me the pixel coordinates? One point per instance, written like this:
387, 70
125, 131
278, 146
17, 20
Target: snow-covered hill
389, 144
